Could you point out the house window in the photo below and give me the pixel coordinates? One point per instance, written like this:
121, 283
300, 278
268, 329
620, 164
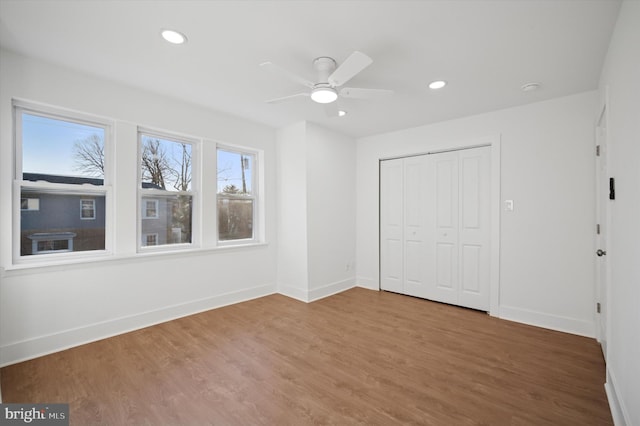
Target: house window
166, 190
87, 209
149, 209
236, 200
30, 204
149, 239
60, 165
49, 242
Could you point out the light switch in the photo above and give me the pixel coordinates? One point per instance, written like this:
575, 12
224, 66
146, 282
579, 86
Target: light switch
508, 205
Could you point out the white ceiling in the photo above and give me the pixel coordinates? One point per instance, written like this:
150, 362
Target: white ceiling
486, 50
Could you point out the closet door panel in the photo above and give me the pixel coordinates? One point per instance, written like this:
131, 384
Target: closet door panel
391, 225
475, 173
417, 226
445, 241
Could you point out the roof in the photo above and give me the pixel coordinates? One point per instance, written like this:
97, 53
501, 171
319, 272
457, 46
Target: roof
74, 180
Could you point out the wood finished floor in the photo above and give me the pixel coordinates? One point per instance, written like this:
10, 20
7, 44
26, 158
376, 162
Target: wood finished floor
359, 357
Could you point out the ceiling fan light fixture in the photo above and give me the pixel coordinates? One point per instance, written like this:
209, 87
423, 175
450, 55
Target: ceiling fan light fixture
438, 84
173, 36
324, 95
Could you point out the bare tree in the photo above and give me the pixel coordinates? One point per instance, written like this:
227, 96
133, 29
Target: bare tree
89, 155
155, 164
244, 164
181, 170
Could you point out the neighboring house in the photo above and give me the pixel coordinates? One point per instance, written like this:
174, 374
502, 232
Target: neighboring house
60, 222
166, 218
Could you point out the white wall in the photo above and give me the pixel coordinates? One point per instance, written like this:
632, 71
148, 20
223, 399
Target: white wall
546, 243
316, 227
621, 77
46, 309
331, 204
293, 270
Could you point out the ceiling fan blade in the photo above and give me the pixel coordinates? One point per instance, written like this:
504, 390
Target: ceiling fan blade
286, 98
331, 109
269, 66
353, 92
355, 63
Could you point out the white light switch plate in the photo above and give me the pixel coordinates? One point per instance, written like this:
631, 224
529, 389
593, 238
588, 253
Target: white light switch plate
508, 205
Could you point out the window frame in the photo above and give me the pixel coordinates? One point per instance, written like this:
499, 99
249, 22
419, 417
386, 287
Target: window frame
20, 107
255, 196
153, 193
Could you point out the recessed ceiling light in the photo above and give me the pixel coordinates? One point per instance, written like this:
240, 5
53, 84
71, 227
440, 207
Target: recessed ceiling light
342, 113
530, 87
438, 84
173, 36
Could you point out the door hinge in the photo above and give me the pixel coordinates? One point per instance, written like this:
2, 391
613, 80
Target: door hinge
598, 307
612, 188
597, 150
598, 228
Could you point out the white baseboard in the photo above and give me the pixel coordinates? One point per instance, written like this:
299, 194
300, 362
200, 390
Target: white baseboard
316, 293
28, 349
329, 289
552, 322
294, 292
616, 405
369, 283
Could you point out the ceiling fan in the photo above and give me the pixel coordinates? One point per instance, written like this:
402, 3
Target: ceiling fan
330, 79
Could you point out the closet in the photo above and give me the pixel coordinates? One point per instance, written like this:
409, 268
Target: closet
435, 226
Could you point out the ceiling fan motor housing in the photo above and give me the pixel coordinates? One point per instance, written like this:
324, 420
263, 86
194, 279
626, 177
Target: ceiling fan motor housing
324, 66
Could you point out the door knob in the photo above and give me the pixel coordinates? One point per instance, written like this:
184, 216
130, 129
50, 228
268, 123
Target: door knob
601, 252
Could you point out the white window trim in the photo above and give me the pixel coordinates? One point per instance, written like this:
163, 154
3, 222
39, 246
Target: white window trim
194, 193
93, 209
106, 190
257, 180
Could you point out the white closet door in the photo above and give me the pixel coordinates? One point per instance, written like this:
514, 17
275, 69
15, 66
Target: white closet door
444, 206
417, 227
474, 228
435, 226
391, 225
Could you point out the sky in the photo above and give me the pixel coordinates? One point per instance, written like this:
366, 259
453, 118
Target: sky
47, 147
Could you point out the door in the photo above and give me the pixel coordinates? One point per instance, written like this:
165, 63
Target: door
474, 228
403, 225
435, 226
602, 227
391, 225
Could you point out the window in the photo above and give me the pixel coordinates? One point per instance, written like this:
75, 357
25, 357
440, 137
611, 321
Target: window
87, 209
165, 191
60, 165
236, 201
149, 209
150, 239
29, 204
51, 242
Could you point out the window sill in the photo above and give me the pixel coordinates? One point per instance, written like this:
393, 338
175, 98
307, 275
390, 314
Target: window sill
106, 257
